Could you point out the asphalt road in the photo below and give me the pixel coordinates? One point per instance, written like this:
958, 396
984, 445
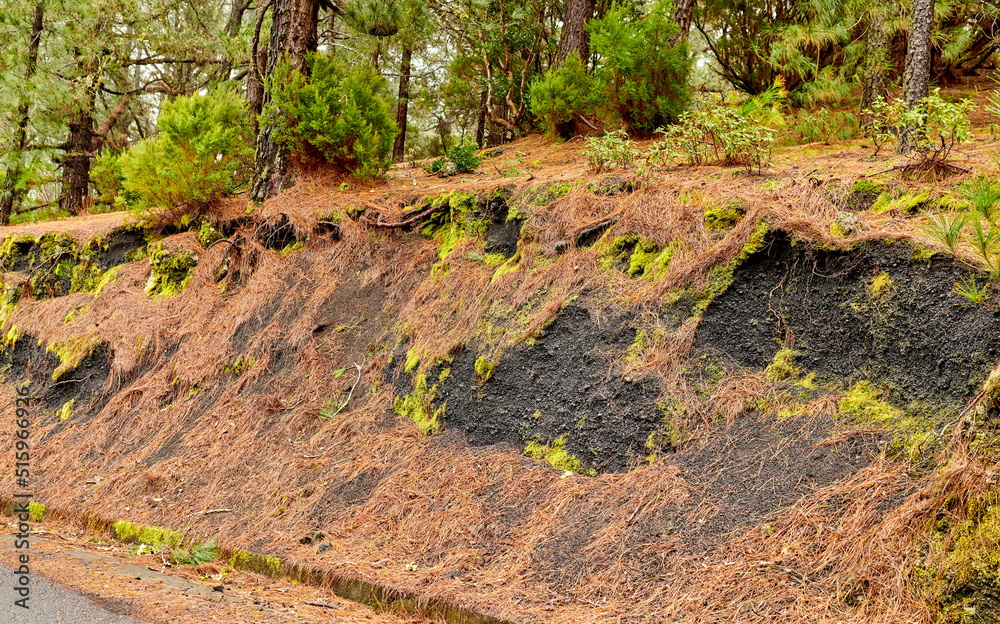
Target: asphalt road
51, 604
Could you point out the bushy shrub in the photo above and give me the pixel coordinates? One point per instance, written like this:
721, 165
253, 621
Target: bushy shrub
645, 77
939, 126
334, 115
716, 133
564, 94
202, 144
612, 151
464, 157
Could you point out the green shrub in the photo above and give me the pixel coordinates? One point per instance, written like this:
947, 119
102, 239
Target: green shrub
334, 115
716, 134
645, 77
464, 157
612, 151
193, 161
565, 93
939, 125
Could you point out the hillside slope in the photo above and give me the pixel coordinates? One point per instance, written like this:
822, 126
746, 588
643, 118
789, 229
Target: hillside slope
639, 396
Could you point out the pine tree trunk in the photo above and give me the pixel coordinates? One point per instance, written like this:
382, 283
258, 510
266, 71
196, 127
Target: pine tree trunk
574, 35
876, 57
404, 102
75, 162
13, 191
916, 76
293, 35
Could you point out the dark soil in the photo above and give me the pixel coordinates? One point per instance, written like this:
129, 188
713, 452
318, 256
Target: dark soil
566, 379
120, 244
916, 338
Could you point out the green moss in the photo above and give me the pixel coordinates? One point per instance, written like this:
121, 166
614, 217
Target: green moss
484, 368
864, 402
208, 234
412, 361
880, 286
71, 351
756, 241
66, 410
543, 194
292, 247
418, 406
36, 511
556, 455
836, 229
923, 254
866, 186
252, 562
13, 248
11, 336
240, 366
782, 367
809, 383
726, 216
907, 202
171, 270
152, 535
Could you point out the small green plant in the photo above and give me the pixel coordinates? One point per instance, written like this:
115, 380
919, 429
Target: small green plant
980, 194
334, 115
932, 128
716, 133
612, 151
945, 229
970, 289
436, 165
195, 554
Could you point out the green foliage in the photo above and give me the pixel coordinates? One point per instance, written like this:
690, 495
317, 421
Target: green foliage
716, 133
202, 145
565, 93
418, 406
646, 79
484, 368
36, 511
971, 290
612, 151
782, 367
195, 554
334, 115
825, 125
938, 125
464, 157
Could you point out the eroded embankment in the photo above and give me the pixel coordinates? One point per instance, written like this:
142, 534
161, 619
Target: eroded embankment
401, 398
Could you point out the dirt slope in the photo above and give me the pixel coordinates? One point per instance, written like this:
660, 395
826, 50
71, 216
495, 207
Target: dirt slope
562, 398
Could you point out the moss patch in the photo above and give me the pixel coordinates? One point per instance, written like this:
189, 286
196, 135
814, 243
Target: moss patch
556, 455
171, 270
782, 367
725, 216
418, 406
484, 368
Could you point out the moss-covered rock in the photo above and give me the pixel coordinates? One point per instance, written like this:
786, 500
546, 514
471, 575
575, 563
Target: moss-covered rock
171, 270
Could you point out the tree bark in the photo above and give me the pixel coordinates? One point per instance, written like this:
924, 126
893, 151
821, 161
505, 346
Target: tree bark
683, 12
481, 122
75, 162
916, 76
574, 36
293, 36
404, 103
876, 57
13, 190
